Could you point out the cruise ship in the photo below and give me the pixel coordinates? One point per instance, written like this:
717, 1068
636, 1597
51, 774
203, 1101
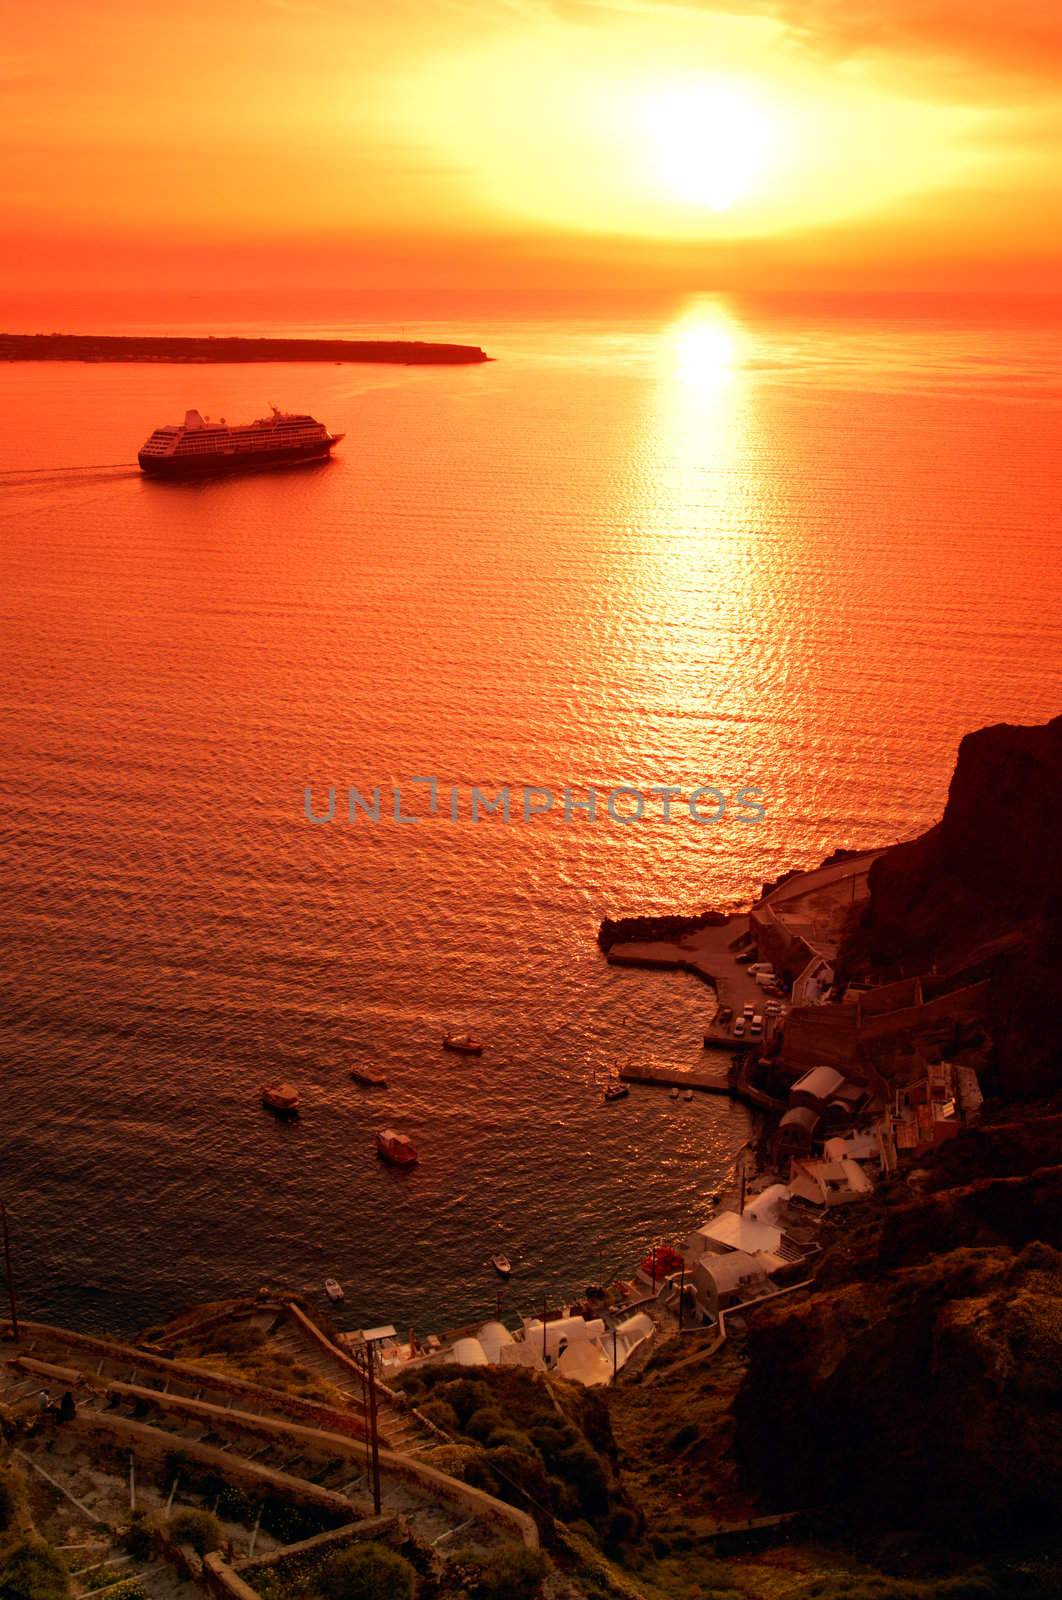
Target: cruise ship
197, 446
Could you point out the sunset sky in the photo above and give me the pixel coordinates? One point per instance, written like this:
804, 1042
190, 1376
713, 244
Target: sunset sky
449, 143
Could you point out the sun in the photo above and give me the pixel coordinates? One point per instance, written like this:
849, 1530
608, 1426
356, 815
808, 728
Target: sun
709, 143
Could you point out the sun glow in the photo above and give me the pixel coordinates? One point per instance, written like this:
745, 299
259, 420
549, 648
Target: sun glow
710, 143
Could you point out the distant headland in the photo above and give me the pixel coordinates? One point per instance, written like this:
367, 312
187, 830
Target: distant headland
99, 347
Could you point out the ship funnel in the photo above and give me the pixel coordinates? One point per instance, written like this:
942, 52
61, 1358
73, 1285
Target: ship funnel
192, 419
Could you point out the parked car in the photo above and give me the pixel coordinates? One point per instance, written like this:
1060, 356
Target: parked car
748, 1010
774, 989
761, 966
725, 1014
745, 957
756, 1028
739, 1027
773, 1008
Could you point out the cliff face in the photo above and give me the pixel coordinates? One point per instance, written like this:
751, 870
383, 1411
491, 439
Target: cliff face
929, 1397
991, 867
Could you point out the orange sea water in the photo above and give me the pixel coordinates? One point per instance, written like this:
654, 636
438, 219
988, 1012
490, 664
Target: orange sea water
727, 545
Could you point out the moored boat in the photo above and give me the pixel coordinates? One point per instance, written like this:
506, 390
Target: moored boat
463, 1043
371, 1079
502, 1265
332, 1289
283, 1098
615, 1091
397, 1148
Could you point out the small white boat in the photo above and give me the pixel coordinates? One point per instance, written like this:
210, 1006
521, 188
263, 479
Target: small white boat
333, 1290
502, 1265
687, 1094
674, 1094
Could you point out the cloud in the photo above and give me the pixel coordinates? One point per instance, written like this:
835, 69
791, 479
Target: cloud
1021, 37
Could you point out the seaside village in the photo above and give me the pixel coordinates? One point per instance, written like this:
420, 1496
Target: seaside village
848, 1083
245, 1446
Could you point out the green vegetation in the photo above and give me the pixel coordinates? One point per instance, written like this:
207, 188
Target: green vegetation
291, 1524
544, 1447
238, 1350
31, 1570
512, 1573
137, 1537
198, 1529
367, 1572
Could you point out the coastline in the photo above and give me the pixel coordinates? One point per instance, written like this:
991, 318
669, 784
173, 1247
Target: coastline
213, 351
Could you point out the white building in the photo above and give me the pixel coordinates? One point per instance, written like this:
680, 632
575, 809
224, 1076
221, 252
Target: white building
829, 1183
721, 1282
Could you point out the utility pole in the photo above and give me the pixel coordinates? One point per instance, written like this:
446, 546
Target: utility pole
654, 1269
543, 1330
615, 1361
374, 1436
682, 1291
9, 1275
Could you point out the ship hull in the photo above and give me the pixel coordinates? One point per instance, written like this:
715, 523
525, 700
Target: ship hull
226, 464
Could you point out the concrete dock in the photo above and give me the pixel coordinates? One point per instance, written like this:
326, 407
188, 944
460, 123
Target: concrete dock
680, 1078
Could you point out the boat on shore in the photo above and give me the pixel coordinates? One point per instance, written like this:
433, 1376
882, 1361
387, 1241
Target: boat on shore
198, 448
502, 1265
396, 1148
370, 1079
463, 1044
281, 1098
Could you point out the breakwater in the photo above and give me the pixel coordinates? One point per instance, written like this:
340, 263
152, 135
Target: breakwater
649, 929
93, 347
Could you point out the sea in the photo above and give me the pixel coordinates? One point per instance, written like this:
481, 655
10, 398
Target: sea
801, 547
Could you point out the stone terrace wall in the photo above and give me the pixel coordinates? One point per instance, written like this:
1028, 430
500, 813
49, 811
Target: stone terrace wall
311, 1413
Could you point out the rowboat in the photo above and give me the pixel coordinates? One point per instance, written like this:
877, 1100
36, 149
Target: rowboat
397, 1148
371, 1080
502, 1265
281, 1098
332, 1289
463, 1044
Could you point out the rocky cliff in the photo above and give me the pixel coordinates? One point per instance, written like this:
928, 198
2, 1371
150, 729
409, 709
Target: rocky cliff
990, 869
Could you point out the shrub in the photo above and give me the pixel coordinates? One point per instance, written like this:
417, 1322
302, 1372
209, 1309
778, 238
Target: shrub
482, 1423
137, 1537
564, 1499
581, 1467
513, 1573
197, 1528
234, 1505
368, 1572
290, 1524
30, 1570
466, 1396
514, 1440
521, 1480
444, 1416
